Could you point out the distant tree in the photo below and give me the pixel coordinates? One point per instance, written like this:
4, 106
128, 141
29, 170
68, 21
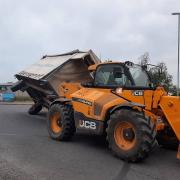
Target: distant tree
173, 90
144, 59
159, 74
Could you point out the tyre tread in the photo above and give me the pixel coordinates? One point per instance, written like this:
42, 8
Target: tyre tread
147, 129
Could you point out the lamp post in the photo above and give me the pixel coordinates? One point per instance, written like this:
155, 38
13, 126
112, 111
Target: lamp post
178, 14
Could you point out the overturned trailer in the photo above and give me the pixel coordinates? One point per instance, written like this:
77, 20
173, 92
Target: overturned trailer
44, 80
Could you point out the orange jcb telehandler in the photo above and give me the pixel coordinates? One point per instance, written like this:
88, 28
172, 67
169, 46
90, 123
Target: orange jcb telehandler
121, 103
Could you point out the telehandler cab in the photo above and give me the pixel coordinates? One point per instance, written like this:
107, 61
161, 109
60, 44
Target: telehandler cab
121, 103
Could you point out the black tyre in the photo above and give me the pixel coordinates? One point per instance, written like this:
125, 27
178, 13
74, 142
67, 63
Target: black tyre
131, 135
35, 109
60, 122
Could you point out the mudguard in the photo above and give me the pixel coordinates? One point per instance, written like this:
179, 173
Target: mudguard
127, 105
60, 100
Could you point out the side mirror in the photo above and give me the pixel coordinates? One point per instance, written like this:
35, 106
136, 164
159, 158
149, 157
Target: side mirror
87, 84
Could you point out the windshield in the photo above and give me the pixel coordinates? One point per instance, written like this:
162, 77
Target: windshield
139, 76
118, 75
111, 75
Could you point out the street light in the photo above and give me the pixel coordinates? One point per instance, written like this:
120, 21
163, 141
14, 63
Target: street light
178, 14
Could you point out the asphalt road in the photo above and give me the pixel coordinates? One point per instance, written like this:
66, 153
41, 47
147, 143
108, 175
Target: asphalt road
27, 152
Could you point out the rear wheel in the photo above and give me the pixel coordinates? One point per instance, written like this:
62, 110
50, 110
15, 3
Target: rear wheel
131, 135
60, 122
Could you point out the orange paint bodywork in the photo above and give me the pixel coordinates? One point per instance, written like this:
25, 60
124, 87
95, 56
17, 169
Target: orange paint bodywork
66, 89
171, 107
104, 100
92, 95
98, 102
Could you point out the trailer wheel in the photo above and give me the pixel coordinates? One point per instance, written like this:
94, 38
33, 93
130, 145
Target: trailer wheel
60, 122
35, 109
131, 135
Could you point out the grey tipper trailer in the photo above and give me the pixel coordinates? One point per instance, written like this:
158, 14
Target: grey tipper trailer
43, 79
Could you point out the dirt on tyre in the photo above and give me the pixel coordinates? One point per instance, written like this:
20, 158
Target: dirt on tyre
60, 122
131, 135
35, 109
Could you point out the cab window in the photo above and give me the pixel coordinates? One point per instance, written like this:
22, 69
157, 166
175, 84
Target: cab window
140, 77
111, 76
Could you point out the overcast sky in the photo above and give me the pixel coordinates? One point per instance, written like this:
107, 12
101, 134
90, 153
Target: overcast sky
113, 29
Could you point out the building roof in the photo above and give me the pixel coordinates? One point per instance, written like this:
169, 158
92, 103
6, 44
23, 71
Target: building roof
7, 84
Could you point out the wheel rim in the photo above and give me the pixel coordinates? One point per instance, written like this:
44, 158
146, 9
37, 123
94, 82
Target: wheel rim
55, 120
124, 135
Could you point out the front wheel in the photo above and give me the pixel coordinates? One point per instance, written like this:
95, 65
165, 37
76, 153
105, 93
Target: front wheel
60, 122
131, 135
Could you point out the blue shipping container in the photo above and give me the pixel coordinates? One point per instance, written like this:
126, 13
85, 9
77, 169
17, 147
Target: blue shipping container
7, 97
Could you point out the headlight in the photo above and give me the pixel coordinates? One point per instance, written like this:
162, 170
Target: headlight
119, 91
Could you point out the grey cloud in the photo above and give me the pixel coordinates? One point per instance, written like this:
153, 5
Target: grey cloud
119, 29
